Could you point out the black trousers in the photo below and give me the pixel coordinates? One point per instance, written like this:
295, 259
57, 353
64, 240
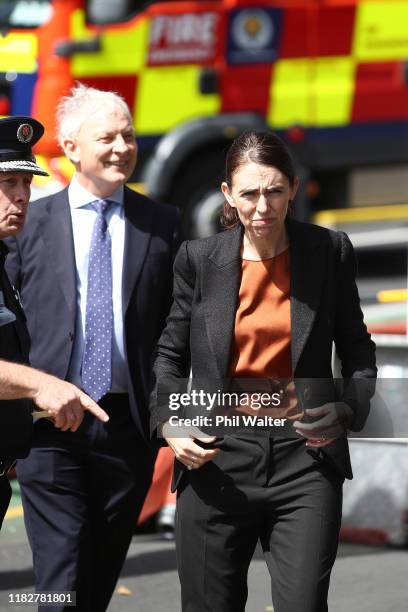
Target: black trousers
82, 493
258, 488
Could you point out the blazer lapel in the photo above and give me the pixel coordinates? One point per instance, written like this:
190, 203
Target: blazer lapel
307, 272
222, 283
59, 241
138, 226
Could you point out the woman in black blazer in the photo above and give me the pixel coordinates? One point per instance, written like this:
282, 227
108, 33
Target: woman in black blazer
286, 491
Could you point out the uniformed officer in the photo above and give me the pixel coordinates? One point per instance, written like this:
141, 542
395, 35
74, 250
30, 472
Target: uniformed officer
21, 385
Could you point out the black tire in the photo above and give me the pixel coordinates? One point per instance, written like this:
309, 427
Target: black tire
198, 180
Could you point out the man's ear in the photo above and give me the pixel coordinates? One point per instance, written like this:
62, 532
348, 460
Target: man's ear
226, 192
71, 150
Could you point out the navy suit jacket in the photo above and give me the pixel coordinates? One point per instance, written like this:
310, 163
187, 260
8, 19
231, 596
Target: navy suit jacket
41, 265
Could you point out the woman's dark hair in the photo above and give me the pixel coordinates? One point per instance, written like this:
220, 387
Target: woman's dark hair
265, 148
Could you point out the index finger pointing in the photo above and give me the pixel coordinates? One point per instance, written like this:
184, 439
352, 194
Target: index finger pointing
87, 403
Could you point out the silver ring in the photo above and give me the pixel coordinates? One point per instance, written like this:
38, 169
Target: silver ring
189, 467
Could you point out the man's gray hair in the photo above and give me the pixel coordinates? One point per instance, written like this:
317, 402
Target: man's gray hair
84, 102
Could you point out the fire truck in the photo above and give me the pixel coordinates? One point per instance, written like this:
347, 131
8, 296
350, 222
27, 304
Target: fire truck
329, 75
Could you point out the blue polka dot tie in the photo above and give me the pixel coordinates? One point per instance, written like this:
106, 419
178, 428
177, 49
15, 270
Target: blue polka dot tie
97, 360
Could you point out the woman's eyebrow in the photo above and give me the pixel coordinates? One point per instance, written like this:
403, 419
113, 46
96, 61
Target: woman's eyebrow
248, 190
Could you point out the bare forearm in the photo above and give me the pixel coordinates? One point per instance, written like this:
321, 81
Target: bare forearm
19, 381
64, 402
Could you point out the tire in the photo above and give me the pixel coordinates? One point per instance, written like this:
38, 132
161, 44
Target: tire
196, 191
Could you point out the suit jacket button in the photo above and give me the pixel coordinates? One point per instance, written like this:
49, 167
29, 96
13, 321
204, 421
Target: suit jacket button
71, 336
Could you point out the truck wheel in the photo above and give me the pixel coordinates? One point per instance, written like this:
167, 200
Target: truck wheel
196, 191
206, 213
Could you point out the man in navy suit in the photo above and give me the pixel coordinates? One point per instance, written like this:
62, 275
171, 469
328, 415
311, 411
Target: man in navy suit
94, 269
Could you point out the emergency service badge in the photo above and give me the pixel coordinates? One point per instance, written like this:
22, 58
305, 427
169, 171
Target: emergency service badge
25, 133
254, 35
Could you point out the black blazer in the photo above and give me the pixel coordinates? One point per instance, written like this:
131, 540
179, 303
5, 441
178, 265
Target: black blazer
41, 264
325, 308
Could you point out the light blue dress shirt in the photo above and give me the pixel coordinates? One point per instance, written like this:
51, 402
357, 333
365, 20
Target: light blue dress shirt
83, 218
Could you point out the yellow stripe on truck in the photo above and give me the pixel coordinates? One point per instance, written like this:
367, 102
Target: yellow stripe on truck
168, 95
392, 295
123, 49
390, 212
381, 31
18, 53
316, 92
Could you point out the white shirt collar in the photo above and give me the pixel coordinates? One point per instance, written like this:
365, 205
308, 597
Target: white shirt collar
78, 196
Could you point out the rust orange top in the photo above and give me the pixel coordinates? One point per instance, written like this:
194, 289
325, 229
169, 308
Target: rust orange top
261, 343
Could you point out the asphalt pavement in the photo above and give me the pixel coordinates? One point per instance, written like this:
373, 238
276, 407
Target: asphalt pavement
365, 579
